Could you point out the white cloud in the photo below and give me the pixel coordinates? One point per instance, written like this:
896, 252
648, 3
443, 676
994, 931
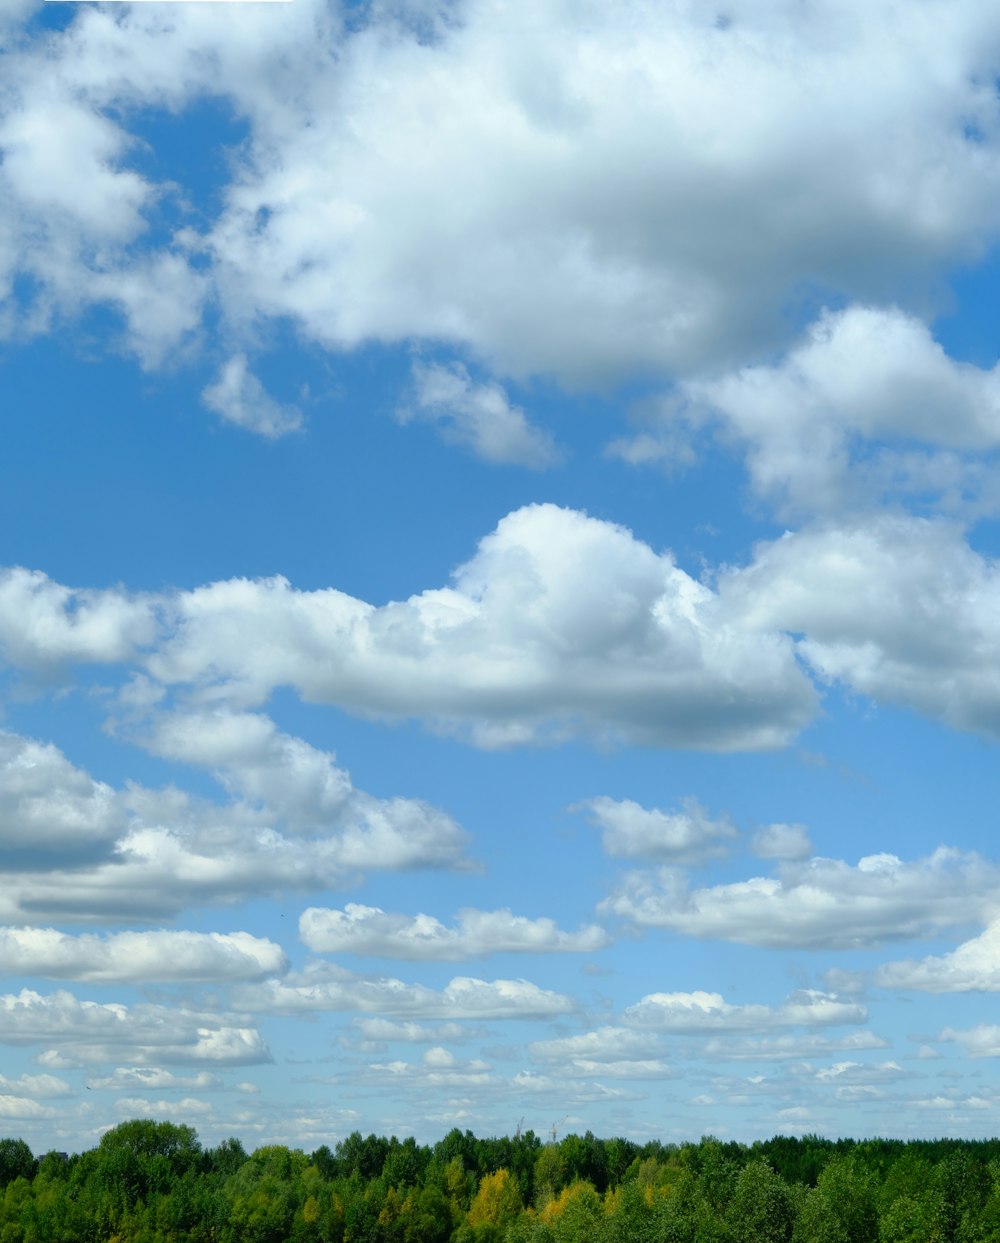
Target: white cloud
973, 966
824, 903
51, 811
630, 831
237, 396
439, 1069
386, 1030
506, 187
859, 1073
782, 841
43, 623
606, 1052
46, 1087
560, 624
139, 956
791, 1047
154, 1079
897, 608
287, 782
323, 987
78, 1032
370, 931
983, 1040
866, 405
703, 1012
79, 849
478, 416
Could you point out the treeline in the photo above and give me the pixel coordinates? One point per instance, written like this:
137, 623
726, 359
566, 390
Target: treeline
153, 1182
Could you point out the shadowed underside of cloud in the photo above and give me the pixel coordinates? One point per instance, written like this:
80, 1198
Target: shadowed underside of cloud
556, 219
560, 625
372, 932
75, 1032
822, 904
323, 987
139, 956
75, 849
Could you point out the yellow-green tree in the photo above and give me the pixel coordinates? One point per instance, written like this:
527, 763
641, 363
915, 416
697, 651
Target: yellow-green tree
495, 1205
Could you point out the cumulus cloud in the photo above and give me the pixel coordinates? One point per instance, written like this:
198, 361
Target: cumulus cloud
983, 1040
409, 1032
237, 396
323, 987
154, 1079
561, 624
782, 841
973, 966
51, 811
75, 1032
287, 782
162, 955
371, 932
897, 608
702, 1012
630, 831
76, 849
439, 1068
514, 247
821, 904
867, 405
793, 1046
44, 624
606, 1052
40, 1086
477, 416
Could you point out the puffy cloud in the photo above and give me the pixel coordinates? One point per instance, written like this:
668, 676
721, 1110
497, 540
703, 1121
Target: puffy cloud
983, 1040
325, 987
866, 405
560, 624
288, 782
491, 176
139, 956
154, 1079
478, 416
782, 841
43, 623
237, 396
185, 1108
83, 850
606, 1052
629, 831
409, 1032
858, 1073
973, 966
370, 931
50, 810
791, 1047
825, 903
702, 1012
557, 219
439, 1068
88, 1032
45, 1087
22, 1107
898, 608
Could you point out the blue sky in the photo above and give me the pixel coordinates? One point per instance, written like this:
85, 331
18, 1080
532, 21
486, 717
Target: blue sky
499, 593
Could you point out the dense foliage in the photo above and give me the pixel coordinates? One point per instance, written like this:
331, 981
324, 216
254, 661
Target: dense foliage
153, 1182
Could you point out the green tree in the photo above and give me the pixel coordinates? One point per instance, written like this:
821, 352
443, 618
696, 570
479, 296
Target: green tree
761, 1210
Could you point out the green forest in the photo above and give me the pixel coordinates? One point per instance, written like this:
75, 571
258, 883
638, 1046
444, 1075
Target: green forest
154, 1182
